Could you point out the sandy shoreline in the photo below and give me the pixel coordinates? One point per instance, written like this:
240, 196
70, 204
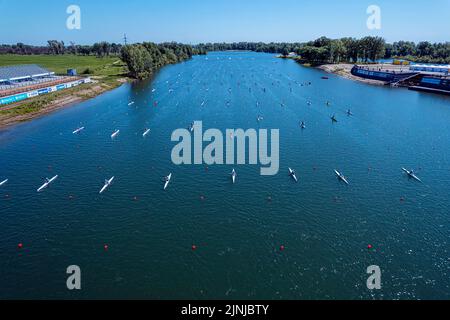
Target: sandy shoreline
344, 70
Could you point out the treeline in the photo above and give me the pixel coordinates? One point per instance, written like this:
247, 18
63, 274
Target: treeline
273, 47
322, 50
422, 52
326, 50
56, 47
144, 59
319, 51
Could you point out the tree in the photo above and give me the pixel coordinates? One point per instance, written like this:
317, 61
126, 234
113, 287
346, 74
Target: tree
337, 51
424, 49
352, 46
143, 59
56, 47
285, 51
138, 60
404, 48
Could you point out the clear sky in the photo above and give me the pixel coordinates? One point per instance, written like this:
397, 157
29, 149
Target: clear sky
194, 21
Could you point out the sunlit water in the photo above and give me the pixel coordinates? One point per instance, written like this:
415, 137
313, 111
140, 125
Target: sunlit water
324, 225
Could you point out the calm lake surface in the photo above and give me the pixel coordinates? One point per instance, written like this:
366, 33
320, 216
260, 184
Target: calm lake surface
324, 225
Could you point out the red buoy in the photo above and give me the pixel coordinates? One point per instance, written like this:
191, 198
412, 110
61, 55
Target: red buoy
194, 247
369, 246
282, 248
106, 247
20, 246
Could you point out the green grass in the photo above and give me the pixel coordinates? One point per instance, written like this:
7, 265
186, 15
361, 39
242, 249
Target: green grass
108, 67
105, 70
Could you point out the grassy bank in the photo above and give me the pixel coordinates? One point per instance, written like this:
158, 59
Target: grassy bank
108, 67
107, 73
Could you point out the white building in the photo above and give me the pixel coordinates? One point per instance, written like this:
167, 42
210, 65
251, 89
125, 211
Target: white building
445, 69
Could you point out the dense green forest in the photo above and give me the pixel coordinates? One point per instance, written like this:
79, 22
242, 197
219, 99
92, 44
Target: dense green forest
144, 59
325, 50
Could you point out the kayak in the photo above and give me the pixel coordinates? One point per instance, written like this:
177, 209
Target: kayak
107, 184
47, 183
78, 130
341, 177
293, 175
131, 103
146, 132
115, 134
411, 174
3, 182
233, 176
169, 177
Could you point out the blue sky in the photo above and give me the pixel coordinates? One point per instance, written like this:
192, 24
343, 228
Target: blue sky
194, 21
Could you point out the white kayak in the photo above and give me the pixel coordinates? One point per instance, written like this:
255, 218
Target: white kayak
131, 103
146, 132
293, 174
78, 130
47, 183
167, 179
107, 184
341, 177
115, 134
411, 174
3, 182
233, 176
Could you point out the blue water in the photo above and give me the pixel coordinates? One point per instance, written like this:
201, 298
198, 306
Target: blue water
238, 230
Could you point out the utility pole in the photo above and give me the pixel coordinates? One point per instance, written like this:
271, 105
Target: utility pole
125, 40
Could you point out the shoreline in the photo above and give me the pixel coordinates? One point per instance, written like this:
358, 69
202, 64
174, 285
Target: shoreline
340, 69
54, 101
344, 70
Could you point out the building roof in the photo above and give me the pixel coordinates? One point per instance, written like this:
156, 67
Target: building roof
430, 66
11, 73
